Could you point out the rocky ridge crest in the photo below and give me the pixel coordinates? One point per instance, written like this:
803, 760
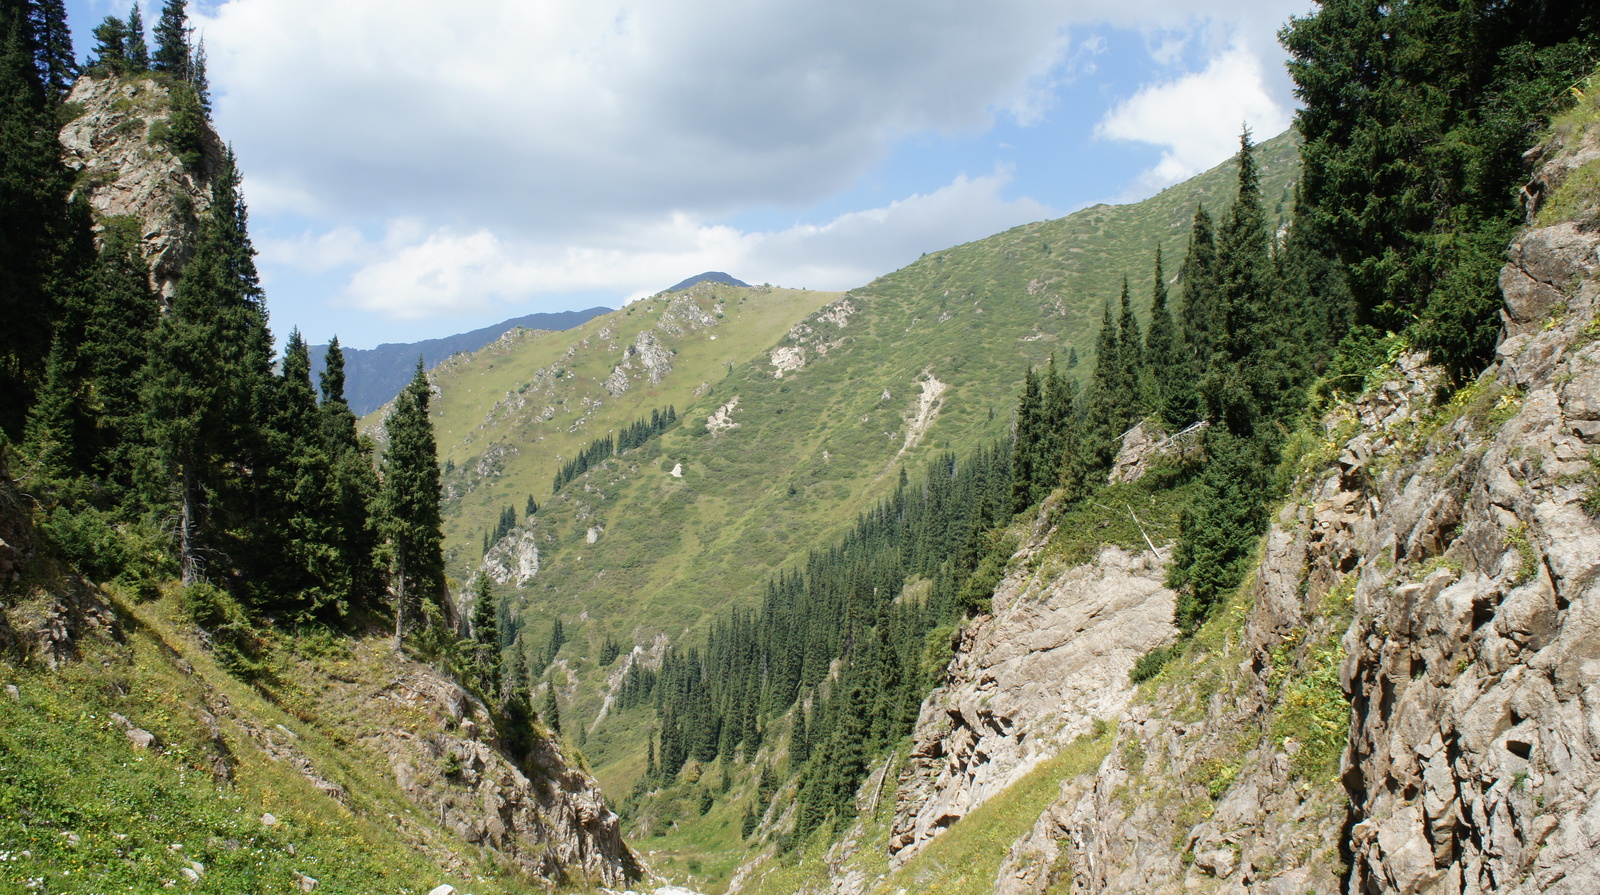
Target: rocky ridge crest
124, 170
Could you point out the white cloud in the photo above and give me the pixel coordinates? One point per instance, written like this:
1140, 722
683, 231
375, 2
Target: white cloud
1196, 118
513, 111
450, 271
492, 150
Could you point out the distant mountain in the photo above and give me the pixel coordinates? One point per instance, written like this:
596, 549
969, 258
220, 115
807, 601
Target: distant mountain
374, 375
710, 276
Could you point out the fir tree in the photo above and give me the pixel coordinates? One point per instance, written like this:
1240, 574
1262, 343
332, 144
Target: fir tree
37, 231
354, 485
552, 710
172, 40
207, 390
1219, 531
486, 633
111, 45
1025, 444
1416, 115
58, 65
136, 51
303, 494
1239, 383
1199, 321
1130, 351
411, 502
1162, 355
198, 80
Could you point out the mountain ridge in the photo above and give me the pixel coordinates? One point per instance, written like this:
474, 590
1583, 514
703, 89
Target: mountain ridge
373, 376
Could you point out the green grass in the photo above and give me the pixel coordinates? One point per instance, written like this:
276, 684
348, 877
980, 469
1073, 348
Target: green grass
84, 811
1578, 197
95, 815
965, 859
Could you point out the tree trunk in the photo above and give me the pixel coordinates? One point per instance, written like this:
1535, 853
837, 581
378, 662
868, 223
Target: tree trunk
399, 598
186, 551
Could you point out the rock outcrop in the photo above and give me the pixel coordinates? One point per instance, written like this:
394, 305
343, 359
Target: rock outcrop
125, 171
539, 812
1474, 661
1051, 659
1409, 698
515, 557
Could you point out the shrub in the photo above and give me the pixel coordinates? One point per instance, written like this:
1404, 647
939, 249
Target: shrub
1151, 663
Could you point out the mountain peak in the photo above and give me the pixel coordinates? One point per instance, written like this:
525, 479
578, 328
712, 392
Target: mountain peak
710, 276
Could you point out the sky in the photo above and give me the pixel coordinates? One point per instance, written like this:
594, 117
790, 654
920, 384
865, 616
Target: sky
416, 169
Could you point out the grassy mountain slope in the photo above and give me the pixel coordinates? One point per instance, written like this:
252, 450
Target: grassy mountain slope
922, 360
511, 414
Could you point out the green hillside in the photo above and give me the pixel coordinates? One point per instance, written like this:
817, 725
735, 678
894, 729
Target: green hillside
920, 361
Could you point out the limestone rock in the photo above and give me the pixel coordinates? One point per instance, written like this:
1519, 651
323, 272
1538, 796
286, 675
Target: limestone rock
1028, 679
126, 174
514, 558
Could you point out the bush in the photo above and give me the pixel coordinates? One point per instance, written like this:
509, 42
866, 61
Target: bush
1150, 664
223, 621
86, 538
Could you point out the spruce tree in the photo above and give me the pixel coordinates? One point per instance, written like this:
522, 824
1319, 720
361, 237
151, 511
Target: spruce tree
1025, 444
302, 496
1240, 381
1416, 116
172, 40
208, 391
111, 45
37, 230
354, 486
411, 502
1130, 351
136, 51
1163, 357
552, 710
486, 634
58, 65
1107, 402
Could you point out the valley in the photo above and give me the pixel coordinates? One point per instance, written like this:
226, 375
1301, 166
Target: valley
1245, 538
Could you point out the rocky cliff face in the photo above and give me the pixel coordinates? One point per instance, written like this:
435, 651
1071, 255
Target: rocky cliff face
540, 813
1474, 660
125, 171
1037, 673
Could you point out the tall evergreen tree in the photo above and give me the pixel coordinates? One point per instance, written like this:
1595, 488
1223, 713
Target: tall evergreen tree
411, 502
486, 634
136, 50
1130, 351
552, 710
58, 65
306, 541
36, 227
111, 45
1163, 355
1025, 444
1415, 116
354, 486
1199, 320
172, 40
208, 390
1241, 382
